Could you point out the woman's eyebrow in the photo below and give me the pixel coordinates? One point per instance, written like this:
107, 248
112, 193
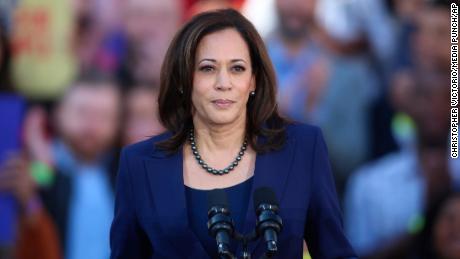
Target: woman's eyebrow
215, 61
238, 60
208, 59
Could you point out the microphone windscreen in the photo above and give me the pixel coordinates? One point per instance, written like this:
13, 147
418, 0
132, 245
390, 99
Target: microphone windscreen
264, 195
217, 197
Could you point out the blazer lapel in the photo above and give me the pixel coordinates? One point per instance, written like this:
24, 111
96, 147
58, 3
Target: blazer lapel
164, 174
271, 170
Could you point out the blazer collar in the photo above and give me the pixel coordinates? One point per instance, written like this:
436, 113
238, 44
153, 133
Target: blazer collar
165, 175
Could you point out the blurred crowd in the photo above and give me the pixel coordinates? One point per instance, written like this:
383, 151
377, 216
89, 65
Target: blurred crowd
79, 80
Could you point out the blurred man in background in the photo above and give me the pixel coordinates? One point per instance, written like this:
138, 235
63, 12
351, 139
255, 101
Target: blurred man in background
80, 199
386, 198
325, 77
64, 188
432, 37
360, 36
149, 27
299, 61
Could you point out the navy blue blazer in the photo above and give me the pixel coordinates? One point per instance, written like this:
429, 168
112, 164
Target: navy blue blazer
150, 207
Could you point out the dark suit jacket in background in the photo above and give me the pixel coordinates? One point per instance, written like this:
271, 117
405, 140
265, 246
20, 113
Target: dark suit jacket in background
151, 214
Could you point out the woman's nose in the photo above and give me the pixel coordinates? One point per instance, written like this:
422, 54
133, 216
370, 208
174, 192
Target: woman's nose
223, 80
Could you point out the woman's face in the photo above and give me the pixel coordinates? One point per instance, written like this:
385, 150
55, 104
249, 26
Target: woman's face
222, 79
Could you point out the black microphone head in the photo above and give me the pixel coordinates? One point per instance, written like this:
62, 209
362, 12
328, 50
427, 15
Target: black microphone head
264, 195
217, 197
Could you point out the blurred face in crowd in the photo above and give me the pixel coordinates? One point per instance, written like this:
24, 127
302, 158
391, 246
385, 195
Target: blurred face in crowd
447, 230
141, 115
432, 39
150, 26
88, 118
431, 110
153, 20
294, 17
400, 91
222, 79
407, 9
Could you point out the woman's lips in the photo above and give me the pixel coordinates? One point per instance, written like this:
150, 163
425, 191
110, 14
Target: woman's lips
223, 103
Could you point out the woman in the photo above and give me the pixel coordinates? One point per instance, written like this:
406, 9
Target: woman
217, 100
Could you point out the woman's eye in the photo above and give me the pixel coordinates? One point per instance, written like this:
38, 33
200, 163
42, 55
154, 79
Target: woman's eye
239, 68
206, 68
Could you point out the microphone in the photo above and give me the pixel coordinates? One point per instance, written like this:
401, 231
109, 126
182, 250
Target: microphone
220, 224
268, 223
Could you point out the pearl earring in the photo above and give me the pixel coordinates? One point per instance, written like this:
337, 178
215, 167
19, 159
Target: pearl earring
252, 93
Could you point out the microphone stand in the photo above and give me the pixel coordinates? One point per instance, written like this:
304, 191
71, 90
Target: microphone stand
228, 255
221, 227
245, 239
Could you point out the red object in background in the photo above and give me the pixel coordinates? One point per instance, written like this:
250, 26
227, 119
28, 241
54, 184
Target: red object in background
38, 239
236, 3
189, 5
35, 36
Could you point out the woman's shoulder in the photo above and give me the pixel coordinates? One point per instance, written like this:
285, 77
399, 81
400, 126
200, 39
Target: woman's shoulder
302, 132
146, 147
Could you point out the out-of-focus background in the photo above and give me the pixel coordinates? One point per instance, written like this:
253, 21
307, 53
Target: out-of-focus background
79, 80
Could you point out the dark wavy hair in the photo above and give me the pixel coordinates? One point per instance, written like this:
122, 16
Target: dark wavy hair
175, 104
